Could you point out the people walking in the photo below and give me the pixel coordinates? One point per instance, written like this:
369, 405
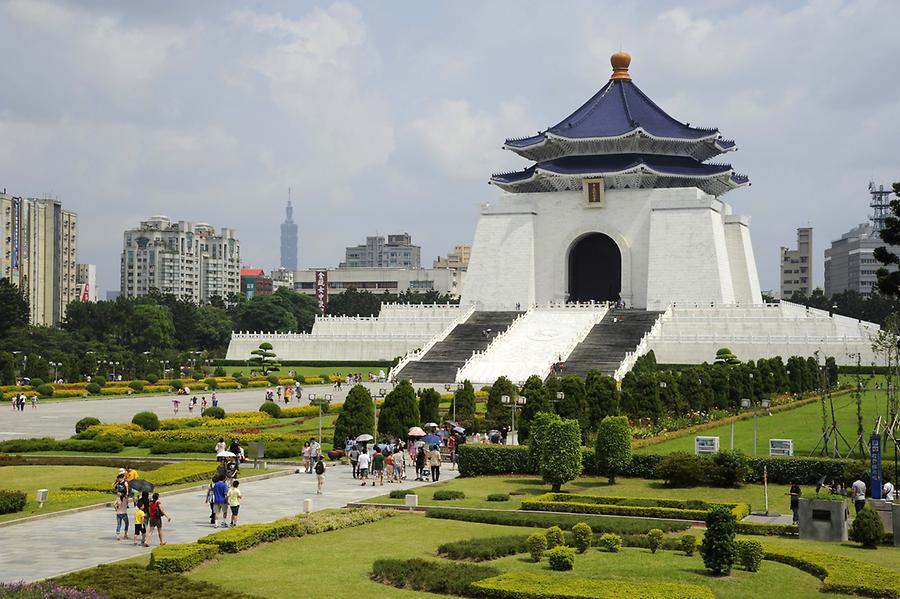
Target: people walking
377, 467
220, 503
354, 460
121, 507
887, 491
420, 464
234, 502
139, 526
307, 456
156, 514
859, 494
434, 460
363, 467
320, 476
795, 493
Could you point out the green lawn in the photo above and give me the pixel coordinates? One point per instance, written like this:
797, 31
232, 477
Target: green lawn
478, 488
803, 425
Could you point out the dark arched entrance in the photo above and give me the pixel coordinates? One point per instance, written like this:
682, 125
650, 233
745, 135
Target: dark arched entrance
595, 269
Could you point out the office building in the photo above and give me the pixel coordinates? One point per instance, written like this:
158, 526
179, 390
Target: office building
796, 266
184, 259
397, 252
289, 239
379, 280
39, 246
850, 263
458, 258
86, 278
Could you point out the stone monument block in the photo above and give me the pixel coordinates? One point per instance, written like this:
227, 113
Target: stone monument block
895, 509
823, 519
883, 509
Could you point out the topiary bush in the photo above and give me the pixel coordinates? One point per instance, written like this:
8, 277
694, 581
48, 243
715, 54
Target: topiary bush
554, 536
448, 495
152, 378
45, 390
498, 497
729, 469
867, 528
219, 371
92, 388
148, 421
484, 549
749, 554
537, 545
100, 380
561, 558
681, 469
613, 450
400, 493
561, 458
610, 542
212, 383
136, 386
442, 578
85, 423
242, 380
11, 501
214, 412
582, 535
655, 539
273, 379
271, 408
177, 384
688, 544
717, 547
36, 382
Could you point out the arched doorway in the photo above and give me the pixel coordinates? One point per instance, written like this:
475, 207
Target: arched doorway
595, 269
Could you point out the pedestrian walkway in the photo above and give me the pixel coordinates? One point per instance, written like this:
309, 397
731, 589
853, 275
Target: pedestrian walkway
52, 546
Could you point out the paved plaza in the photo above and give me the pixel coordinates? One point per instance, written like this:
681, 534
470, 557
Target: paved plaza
57, 418
52, 546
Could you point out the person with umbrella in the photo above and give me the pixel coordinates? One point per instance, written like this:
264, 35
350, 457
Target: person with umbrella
420, 462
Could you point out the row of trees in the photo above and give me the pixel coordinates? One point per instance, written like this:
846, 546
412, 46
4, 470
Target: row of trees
355, 302
873, 308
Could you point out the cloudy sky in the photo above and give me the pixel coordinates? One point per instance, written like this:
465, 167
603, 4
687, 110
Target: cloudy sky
389, 116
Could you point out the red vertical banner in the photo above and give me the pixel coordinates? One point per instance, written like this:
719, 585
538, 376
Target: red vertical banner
85, 292
322, 289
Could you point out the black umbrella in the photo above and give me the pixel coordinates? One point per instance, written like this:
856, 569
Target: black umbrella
140, 485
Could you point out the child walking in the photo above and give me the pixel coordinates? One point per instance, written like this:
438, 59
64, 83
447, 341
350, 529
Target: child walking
156, 514
234, 502
139, 528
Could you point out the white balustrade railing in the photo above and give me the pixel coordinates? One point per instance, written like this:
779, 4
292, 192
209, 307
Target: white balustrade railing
643, 346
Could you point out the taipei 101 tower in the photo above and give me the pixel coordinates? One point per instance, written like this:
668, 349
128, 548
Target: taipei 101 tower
289, 239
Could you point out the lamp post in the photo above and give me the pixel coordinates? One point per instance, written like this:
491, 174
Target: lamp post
560, 395
519, 401
320, 401
381, 393
756, 407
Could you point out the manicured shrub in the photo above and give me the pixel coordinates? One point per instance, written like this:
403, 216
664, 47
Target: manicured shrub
448, 495
133, 580
45, 390
11, 501
272, 379
867, 528
136, 386
498, 497
841, 574
525, 585
443, 578
148, 421
85, 423
233, 540
399, 411
401, 493
729, 469
582, 537
220, 372
271, 408
599, 524
537, 545
176, 384
152, 378
613, 450
681, 469
758, 528
749, 554
610, 542
100, 380
561, 558
242, 380
561, 453
554, 536
688, 544
211, 383
181, 558
717, 547
655, 539
484, 549
214, 412
356, 416
429, 402
479, 459
92, 388
36, 382
687, 509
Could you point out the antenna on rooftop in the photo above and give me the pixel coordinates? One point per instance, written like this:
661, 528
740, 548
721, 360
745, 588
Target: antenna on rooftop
880, 205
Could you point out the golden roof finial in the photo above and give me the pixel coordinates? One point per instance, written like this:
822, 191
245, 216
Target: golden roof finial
620, 62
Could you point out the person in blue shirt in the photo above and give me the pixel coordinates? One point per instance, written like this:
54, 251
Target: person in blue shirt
220, 503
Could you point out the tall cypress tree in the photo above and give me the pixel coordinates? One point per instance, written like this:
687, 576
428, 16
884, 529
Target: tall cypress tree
497, 415
399, 412
465, 405
429, 402
357, 416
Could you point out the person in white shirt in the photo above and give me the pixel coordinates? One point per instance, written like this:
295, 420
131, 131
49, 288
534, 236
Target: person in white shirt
859, 494
363, 467
887, 491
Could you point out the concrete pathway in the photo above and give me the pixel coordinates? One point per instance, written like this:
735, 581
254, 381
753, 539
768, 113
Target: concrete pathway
771, 518
52, 546
57, 418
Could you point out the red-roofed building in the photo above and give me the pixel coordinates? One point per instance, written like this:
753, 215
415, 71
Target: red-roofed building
254, 282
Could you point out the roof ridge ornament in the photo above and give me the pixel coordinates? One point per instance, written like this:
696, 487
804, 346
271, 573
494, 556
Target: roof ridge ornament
620, 62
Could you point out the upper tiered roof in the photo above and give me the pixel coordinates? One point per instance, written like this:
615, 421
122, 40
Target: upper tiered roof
621, 120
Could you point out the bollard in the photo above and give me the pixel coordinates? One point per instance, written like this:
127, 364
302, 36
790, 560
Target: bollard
307, 506
412, 501
42, 496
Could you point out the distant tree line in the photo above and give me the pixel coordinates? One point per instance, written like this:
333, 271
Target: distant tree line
360, 302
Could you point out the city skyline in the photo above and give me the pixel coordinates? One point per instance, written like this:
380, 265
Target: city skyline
400, 132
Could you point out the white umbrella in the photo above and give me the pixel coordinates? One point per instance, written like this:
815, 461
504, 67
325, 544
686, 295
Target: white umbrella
416, 432
225, 454
365, 437
431, 424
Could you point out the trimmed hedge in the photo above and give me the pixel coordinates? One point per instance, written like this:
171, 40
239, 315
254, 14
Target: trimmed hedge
498, 497
11, 501
85, 423
51, 444
628, 506
430, 576
840, 574
478, 459
170, 474
561, 558
448, 495
480, 550
246, 536
769, 530
524, 585
514, 518
133, 580
181, 558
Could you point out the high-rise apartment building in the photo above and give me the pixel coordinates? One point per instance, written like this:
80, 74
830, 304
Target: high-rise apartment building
289, 240
796, 266
457, 259
39, 241
397, 252
185, 259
